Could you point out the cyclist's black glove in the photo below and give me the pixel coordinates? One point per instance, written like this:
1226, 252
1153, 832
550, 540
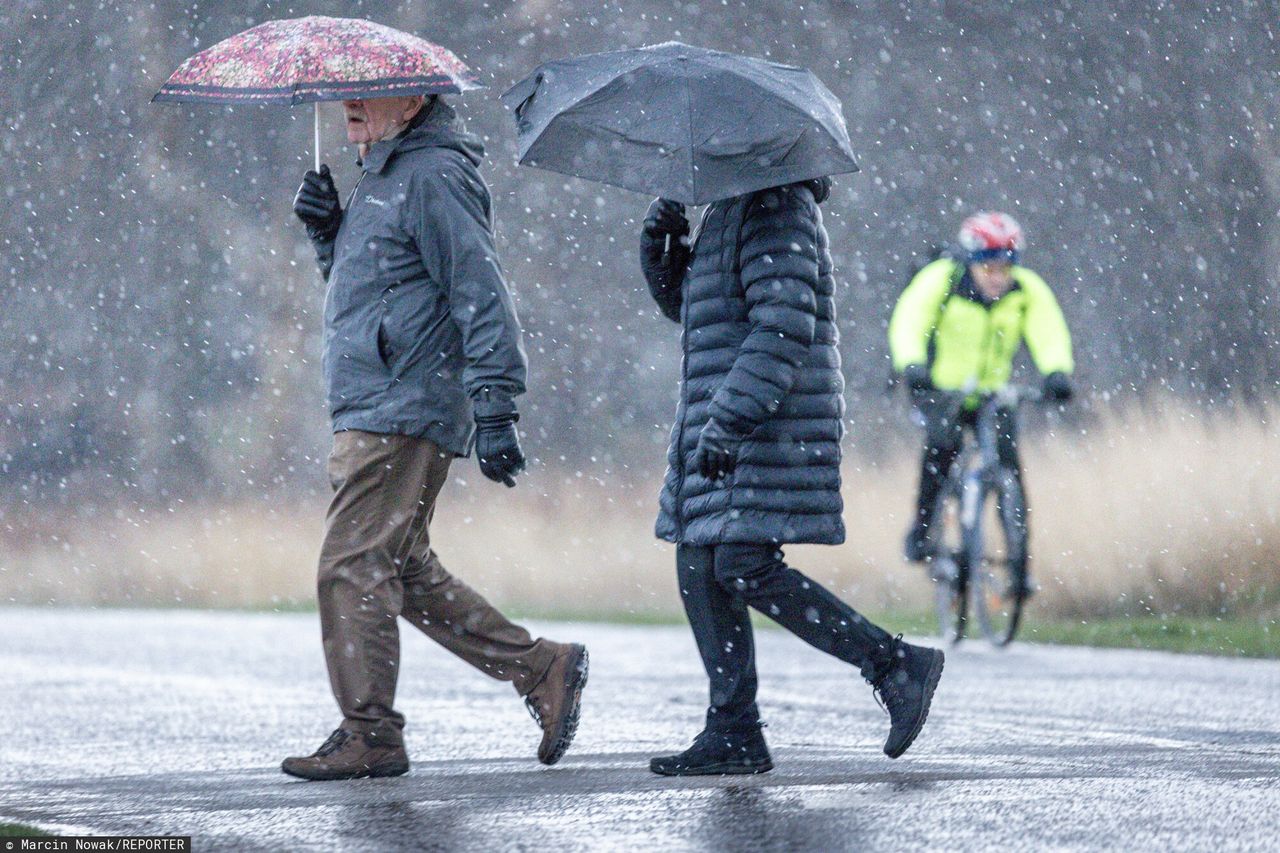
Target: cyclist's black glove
318, 206
497, 444
1057, 387
917, 377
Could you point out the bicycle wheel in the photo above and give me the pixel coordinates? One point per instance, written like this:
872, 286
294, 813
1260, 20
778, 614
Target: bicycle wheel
997, 557
945, 567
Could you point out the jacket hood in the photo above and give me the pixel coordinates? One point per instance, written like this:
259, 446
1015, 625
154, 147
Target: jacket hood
820, 187
436, 124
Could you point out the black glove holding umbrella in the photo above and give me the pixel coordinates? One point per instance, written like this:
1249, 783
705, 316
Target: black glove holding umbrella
318, 206
664, 252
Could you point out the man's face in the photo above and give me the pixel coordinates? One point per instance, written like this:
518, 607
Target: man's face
993, 278
377, 118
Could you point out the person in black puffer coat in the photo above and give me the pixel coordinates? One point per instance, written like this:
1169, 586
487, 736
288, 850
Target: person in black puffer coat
754, 462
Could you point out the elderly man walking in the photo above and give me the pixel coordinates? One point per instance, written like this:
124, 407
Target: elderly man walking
420, 340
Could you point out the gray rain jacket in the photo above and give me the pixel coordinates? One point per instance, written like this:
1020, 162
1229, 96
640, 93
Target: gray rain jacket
418, 322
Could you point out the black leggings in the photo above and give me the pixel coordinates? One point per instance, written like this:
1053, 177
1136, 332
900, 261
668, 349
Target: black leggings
718, 583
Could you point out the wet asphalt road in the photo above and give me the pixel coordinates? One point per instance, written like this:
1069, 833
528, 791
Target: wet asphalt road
175, 722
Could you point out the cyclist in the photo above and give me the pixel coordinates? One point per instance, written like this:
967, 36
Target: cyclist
955, 331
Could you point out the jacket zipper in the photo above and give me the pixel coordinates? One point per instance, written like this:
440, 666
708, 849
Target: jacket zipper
988, 339
684, 375
684, 400
986, 348
350, 200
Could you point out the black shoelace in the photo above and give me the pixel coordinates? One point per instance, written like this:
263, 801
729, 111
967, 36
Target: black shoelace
883, 689
334, 743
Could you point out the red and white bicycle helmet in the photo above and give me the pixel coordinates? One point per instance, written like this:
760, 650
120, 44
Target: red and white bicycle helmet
991, 235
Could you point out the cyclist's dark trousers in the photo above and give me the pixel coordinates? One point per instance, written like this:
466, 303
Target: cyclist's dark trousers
718, 583
944, 438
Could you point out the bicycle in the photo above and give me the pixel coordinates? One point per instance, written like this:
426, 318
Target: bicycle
966, 569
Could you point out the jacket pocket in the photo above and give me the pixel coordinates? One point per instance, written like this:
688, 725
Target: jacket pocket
383, 344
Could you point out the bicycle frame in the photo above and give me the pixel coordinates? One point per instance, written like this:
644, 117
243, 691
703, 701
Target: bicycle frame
976, 473
989, 473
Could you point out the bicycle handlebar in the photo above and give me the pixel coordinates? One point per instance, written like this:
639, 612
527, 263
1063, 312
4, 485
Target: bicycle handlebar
1013, 395
1008, 397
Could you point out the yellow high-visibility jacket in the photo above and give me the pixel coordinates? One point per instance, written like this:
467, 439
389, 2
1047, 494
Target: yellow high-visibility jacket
968, 345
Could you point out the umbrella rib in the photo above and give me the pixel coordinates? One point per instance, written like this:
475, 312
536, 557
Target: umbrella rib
299, 62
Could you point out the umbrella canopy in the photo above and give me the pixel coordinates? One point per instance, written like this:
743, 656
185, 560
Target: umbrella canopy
316, 59
685, 123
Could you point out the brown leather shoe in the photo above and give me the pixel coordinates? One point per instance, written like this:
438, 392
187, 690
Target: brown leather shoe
350, 755
555, 701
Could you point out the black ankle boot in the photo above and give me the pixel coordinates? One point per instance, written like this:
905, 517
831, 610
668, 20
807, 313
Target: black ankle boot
906, 689
718, 754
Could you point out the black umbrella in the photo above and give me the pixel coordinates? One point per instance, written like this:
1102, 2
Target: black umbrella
681, 122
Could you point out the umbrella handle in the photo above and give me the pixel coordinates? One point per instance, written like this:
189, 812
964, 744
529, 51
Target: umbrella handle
316, 130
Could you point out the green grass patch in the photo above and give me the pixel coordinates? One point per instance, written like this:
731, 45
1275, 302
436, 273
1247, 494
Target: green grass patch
1233, 636
1238, 636
922, 624
13, 830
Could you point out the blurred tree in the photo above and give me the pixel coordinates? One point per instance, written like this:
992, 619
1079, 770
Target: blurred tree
161, 319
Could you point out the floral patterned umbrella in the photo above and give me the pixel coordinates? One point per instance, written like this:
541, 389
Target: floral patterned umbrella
316, 59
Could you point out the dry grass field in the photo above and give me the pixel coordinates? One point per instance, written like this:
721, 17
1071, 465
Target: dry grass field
1148, 510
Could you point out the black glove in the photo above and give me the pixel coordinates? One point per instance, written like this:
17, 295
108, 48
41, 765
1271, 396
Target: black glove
717, 452
664, 267
1057, 387
318, 206
917, 377
497, 445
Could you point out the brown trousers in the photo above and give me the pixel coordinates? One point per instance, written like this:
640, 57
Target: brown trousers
376, 564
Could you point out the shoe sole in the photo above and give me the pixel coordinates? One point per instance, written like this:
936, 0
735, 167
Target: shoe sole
930, 685
377, 771
713, 770
573, 686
